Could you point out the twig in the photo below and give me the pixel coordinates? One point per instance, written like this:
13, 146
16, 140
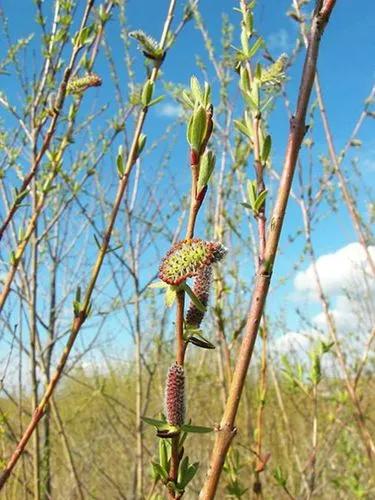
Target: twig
86, 303
227, 431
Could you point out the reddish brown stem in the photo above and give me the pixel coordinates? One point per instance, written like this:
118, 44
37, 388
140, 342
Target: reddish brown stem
227, 430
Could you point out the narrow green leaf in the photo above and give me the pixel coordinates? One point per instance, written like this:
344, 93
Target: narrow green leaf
246, 205
119, 162
196, 429
198, 304
252, 193
159, 470
197, 128
153, 421
156, 100
158, 284
163, 455
170, 296
196, 90
266, 148
254, 49
206, 167
239, 125
259, 202
147, 92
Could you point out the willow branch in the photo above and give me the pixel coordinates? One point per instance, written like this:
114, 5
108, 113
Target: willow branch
226, 430
80, 318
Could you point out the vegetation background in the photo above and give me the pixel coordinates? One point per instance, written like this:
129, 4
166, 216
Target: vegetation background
74, 160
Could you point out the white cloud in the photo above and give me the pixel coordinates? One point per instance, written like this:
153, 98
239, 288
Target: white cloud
295, 343
279, 41
349, 287
298, 347
169, 110
346, 270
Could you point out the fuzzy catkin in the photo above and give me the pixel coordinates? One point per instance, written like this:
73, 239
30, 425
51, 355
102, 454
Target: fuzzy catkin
201, 289
78, 85
186, 258
175, 395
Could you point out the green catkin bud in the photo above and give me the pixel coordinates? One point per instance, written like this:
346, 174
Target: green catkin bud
150, 47
274, 76
175, 395
78, 85
186, 258
201, 289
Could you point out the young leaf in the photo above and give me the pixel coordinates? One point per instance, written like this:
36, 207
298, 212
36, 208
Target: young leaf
196, 429
160, 471
239, 125
170, 296
266, 148
141, 144
156, 100
259, 202
153, 421
254, 49
158, 284
198, 304
206, 167
147, 92
163, 454
201, 342
120, 162
196, 90
252, 192
197, 128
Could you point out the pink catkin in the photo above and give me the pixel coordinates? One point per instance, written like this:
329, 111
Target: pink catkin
201, 289
175, 395
187, 257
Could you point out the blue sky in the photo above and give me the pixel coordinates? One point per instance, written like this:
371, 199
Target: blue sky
347, 71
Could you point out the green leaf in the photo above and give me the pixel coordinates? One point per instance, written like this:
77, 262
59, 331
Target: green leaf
196, 90
206, 167
246, 205
254, 49
258, 71
201, 342
160, 471
259, 202
244, 80
197, 429
266, 148
187, 100
184, 467
156, 100
207, 94
239, 125
158, 284
153, 421
120, 162
245, 42
141, 144
197, 128
186, 473
82, 37
163, 454
77, 306
252, 192
198, 304
170, 296
147, 92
